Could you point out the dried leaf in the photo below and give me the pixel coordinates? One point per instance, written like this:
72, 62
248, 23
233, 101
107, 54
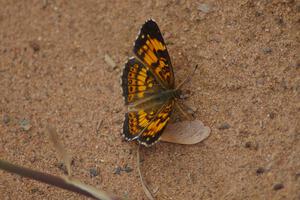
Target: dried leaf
67, 159
110, 61
186, 132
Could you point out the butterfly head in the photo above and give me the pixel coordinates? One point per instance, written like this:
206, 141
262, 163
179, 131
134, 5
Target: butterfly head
177, 93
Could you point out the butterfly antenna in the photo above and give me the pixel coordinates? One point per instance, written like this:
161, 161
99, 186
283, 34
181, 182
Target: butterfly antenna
187, 79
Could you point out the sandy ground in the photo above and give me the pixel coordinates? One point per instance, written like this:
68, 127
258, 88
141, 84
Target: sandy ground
52, 70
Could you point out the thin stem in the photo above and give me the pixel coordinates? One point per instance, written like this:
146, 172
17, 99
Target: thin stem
187, 79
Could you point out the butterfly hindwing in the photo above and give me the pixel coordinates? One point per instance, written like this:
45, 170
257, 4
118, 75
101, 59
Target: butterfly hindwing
147, 125
136, 121
156, 127
150, 48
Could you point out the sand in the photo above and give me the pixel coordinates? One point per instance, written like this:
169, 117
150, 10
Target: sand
247, 90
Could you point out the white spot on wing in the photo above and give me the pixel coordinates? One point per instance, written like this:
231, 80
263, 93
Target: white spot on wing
149, 145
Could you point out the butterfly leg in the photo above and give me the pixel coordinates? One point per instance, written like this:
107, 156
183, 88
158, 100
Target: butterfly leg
187, 115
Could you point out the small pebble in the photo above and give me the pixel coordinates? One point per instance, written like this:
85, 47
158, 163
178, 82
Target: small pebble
271, 115
33, 159
45, 4
267, 50
25, 124
37, 191
251, 145
34, 190
110, 61
248, 144
117, 170
258, 14
279, 20
62, 167
278, 186
224, 126
94, 172
127, 169
297, 176
117, 110
297, 65
6, 119
203, 7
283, 84
184, 96
35, 46
260, 170
261, 81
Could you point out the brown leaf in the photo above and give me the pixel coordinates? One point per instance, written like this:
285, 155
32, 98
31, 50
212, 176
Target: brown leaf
186, 132
67, 159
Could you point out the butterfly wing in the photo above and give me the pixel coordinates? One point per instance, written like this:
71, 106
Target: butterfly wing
144, 121
150, 48
147, 125
156, 127
138, 82
145, 82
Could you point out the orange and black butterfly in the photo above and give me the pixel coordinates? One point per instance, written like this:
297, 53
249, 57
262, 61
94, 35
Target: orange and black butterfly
148, 85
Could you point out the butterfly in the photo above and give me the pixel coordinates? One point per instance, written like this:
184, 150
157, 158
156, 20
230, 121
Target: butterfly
148, 85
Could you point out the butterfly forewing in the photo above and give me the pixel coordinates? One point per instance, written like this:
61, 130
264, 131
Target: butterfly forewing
151, 49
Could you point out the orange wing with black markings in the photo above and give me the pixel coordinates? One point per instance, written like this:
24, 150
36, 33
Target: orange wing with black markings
148, 87
156, 127
138, 82
147, 125
143, 122
151, 49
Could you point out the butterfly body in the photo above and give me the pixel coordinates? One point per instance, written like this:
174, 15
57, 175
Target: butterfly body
148, 85
155, 99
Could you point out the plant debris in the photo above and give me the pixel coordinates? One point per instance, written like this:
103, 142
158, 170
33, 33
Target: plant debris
145, 187
260, 170
25, 124
6, 119
67, 159
110, 61
186, 132
278, 186
119, 169
224, 126
94, 172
